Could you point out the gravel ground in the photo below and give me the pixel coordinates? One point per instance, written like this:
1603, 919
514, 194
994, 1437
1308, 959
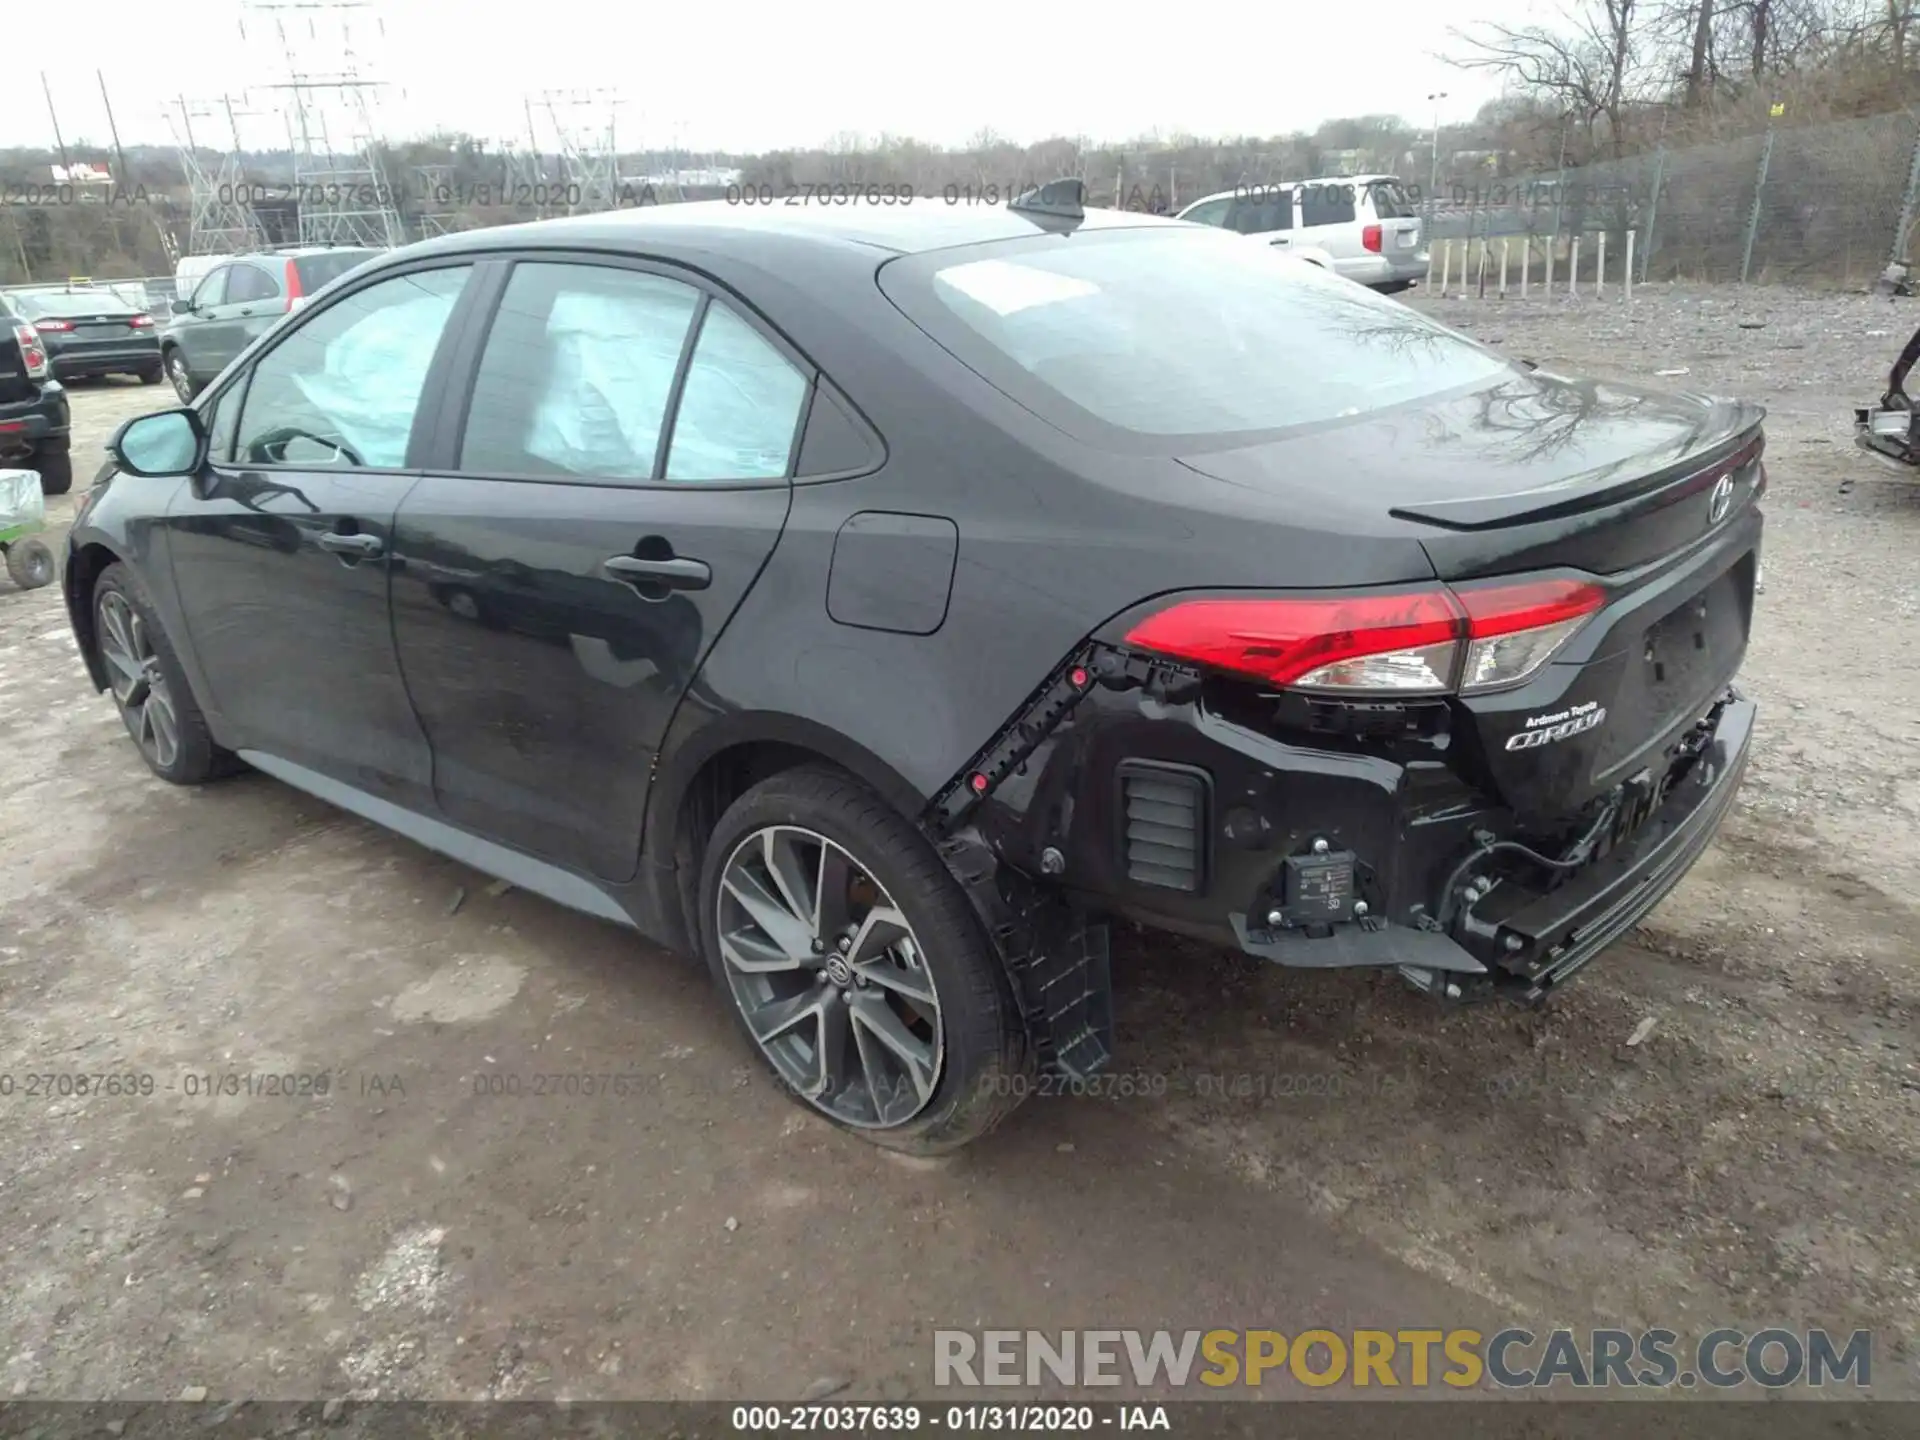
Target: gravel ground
1321, 1149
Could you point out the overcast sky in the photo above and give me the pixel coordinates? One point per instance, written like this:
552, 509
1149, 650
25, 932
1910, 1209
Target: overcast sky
755, 76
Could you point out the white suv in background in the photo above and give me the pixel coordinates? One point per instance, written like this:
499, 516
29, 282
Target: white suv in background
1362, 226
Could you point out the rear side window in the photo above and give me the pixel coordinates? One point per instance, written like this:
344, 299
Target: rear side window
317, 270
1186, 332
1326, 205
577, 373
1391, 200
249, 282
740, 407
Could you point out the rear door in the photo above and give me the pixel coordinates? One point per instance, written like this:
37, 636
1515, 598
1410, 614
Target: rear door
255, 301
606, 488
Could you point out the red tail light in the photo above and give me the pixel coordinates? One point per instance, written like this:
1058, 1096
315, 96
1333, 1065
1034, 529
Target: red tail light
52, 327
294, 293
141, 322
1370, 237
1427, 642
31, 350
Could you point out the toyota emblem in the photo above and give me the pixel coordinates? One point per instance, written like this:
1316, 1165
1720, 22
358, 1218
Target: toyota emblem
1722, 501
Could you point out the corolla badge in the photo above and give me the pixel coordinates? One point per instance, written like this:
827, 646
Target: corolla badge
1721, 501
1561, 725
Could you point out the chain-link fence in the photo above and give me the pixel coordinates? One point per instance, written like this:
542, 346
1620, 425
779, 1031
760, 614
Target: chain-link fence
1820, 204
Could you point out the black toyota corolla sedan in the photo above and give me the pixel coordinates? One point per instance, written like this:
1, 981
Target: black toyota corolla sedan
876, 601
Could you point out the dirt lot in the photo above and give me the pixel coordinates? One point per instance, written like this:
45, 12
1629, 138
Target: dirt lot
1752, 1161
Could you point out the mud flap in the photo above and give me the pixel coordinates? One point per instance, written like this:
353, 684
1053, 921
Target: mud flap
1055, 955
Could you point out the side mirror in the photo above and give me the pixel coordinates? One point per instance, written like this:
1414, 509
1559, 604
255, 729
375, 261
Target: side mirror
167, 443
183, 307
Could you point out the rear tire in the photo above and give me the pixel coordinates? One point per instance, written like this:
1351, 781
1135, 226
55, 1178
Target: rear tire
148, 686
56, 472
913, 1040
184, 385
30, 564
152, 377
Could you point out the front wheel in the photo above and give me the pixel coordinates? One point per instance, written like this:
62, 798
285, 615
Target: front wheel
856, 966
149, 687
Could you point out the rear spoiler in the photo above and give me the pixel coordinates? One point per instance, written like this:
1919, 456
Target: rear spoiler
1741, 445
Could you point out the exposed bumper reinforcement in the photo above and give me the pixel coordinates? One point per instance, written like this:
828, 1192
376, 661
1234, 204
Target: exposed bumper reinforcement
1564, 929
1550, 938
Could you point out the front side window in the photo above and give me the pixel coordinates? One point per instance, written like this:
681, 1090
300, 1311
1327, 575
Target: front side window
213, 289
577, 373
221, 417
1262, 214
341, 388
1209, 212
1179, 332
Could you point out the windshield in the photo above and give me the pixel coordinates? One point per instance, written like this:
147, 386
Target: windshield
1192, 333
65, 304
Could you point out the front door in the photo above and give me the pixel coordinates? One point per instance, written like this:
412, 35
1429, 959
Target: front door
616, 484
281, 549
249, 306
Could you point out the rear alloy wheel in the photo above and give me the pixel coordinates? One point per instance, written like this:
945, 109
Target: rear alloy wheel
148, 686
856, 966
183, 386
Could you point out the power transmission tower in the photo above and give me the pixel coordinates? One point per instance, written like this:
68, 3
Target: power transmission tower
220, 213
344, 195
583, 126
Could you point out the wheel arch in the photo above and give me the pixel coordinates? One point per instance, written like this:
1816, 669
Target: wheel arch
716, 765
83, 571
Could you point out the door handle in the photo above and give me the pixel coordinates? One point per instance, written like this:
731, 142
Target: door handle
673, 572
360, 546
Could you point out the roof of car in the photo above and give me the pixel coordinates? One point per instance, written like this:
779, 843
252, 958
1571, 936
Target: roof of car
927, 222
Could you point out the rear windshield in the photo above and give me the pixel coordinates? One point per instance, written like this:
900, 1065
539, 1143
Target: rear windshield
317, 270
62, 304
1191, 333
1390, 200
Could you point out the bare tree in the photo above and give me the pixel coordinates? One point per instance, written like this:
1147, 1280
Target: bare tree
1593, 66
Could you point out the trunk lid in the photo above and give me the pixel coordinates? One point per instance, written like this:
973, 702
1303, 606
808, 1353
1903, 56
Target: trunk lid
1651, 493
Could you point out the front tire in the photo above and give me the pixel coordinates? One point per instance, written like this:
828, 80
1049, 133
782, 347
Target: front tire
149, 687
856, 966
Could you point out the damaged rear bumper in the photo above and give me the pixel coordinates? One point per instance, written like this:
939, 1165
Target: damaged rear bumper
1887, 432
1528, 942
